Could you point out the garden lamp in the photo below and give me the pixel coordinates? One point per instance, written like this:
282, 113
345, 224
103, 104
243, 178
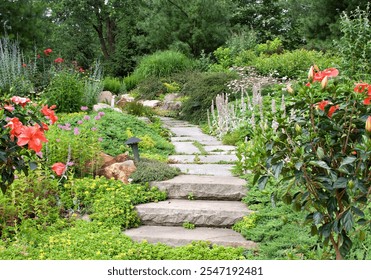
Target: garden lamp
133, 143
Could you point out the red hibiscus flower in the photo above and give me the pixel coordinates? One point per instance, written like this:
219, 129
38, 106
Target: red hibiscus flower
49, 113
360, 87
321, 105
15, 127
332, 110
20, 100
367, 101
329, 72
32, 136
59, 168
58, 60
48, 51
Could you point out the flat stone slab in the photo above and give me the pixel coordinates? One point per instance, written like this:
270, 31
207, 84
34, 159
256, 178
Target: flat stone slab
187, 131
205, 169
219, 148
179, 236
203, 187
205, 213
186, 148
203, 159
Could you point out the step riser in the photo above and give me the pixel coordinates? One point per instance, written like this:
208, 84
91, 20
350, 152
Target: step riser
204, 192
198, 218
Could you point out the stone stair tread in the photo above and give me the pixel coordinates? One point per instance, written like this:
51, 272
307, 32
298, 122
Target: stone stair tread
179, 236
209, 213
205, 169
203, 158
203, 187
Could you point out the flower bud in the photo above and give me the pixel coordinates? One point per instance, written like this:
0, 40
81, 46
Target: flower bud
324, 82
368, 124
289, 89
311, 73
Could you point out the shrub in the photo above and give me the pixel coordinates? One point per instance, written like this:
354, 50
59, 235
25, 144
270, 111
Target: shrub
162, 64
270, 47
66, 90
153, 170
93, 86
292, 64
150, 88
354, 46
137, 109
113, 85
200, 90
131, 82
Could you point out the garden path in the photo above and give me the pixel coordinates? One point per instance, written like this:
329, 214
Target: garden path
206, 195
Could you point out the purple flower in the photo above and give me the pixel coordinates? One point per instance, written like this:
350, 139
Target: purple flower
39, 154
93, 129
76, 131
101, 114
97, 117
86, 118
70, 163
84, 108
79, 122
100, 139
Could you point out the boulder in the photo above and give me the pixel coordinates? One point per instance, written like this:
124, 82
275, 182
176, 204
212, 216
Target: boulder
125, 98
120, 171
151, 103
171, 102
100, 106
105, 97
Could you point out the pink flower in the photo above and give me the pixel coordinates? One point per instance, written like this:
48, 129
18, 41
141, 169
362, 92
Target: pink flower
76, 131
58, 60
84, 108
86, 118
48, 51
20, 100
93, 129
79, 122
10, 108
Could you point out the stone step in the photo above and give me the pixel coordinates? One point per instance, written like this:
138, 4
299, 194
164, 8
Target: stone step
202, 159
204, 213
204, 187
205, 169
186, 148
179, 236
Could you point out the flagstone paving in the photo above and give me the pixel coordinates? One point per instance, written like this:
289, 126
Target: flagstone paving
207, 195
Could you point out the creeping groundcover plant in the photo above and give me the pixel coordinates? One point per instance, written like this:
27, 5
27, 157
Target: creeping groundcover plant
22, 135
321, 154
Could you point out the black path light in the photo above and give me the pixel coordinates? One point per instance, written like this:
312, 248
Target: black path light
133, 143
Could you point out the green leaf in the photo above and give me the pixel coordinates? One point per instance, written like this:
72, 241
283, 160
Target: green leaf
276, 169
317, 218
325, 230
347, 221
341, 183
358, 211
262, 182
346, 246
347, 160
298, 165
33, 165
320, 163
320, 153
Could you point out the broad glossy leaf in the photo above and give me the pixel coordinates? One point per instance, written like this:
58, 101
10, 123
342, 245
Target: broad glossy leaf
276, 169
358, 211
262, 182
317, 218
347, 221
320, 163
325, 230
346, 246
320, 153
347, 160
341, 183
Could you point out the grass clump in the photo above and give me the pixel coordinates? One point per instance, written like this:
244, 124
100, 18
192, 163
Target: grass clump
113, 85
153, 170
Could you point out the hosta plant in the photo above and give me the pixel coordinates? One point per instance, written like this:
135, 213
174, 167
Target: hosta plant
321, 153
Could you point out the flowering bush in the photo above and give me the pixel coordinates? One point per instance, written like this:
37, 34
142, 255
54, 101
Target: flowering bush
21, 128
322, 153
